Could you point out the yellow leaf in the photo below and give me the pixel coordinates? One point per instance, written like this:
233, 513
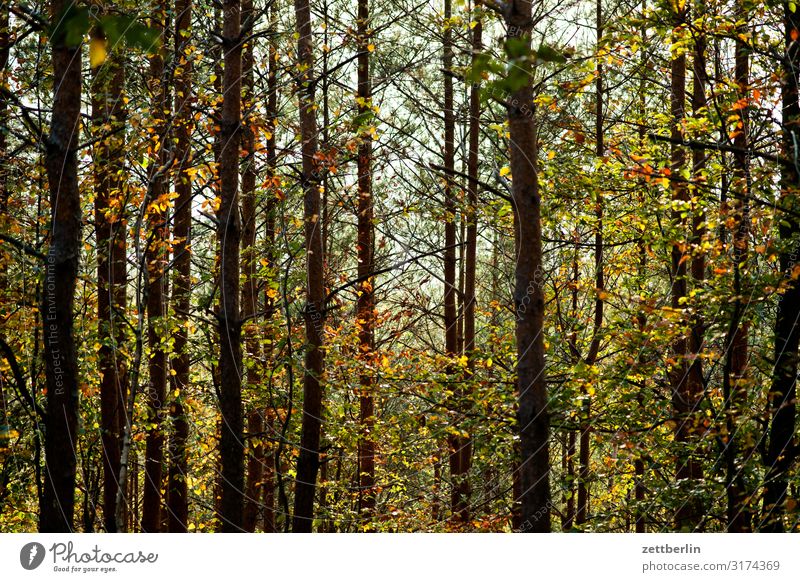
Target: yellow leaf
505, 171
370, 47
97, 52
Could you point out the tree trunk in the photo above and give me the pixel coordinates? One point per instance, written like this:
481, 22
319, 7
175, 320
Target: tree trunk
684, 401
470, 261
255, 470
584, 472
308, 461
781, 452
269, 302
250, 291
459, 501
108, 114
5, 50
735, 371
231, 447
532, 416
61, 274
366, 299
178, 495
156, 257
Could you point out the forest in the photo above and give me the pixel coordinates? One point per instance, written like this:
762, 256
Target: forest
399, 266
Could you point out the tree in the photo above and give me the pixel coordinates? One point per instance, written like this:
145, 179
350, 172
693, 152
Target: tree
684, 394
366, 297
780, 452
108, 116
308, 461
61, 274
156, 257
231, 448
532, 417
736, 365
250, 291
177, 498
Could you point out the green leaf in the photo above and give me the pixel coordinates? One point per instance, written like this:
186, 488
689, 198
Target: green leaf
517, 47
549, 54
70, 26
126, 28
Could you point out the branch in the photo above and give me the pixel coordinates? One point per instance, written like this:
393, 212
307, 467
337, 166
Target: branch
24, 247
480, 183
700, 145
19, 380
361, 279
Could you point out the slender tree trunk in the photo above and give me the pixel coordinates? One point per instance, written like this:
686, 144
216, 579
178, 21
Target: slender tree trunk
735, 371
308, 462
250, 291
156, 257
532, 416
687, 470
698, 264
255, 470
61, 274
568, 467
130, 520
5, 50
366, 298
178, 495
459, 503
781, 452
269, 302
108, 115
470, 259
231, 447
584, 473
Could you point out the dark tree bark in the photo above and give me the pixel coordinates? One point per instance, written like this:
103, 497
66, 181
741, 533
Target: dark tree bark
464, 463
308, 461
366, 299
684, 401
156, 257
735, 369
268, 482
532, 415
568, 469
108, 115
781, 451
231, 447
5, 50
459, 497
178, 497
61, 273
584, 472
270, 303
250, 290
255, 471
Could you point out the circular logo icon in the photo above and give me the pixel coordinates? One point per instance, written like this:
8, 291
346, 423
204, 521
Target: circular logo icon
31, 555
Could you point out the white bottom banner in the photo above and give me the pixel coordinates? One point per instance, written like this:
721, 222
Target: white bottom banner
401, 557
